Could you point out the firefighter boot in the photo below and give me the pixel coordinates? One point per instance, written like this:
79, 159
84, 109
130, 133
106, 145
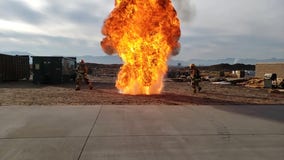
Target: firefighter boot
90, 86
77, 87
199, 89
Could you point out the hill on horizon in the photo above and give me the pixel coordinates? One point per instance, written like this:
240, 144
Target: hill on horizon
114, 59
173, 62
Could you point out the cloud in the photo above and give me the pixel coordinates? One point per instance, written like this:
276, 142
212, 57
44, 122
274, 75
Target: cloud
223, 46
52, 27
186, 9
242, 28
46, 45
240, 17
19, 11
210, 29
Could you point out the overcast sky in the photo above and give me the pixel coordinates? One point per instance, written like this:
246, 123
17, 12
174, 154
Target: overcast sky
211, 29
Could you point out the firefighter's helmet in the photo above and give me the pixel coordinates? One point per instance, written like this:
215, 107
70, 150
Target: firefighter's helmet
192, 65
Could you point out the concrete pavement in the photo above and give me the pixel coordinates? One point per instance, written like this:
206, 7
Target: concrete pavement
152, 132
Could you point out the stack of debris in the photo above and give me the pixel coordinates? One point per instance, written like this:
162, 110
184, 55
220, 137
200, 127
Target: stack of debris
278, 91
280, 83
253, 83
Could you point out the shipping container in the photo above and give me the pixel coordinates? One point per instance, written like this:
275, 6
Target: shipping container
53, 70
14, 68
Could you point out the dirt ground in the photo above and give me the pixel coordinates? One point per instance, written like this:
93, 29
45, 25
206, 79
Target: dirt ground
104, 92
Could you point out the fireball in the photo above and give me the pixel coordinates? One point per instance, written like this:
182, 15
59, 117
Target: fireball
145, 34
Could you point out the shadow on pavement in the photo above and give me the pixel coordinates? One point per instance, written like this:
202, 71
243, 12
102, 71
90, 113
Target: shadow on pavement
177, 99
271, 112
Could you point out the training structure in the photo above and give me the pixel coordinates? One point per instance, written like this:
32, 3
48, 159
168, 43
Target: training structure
263, 68
13, 68
53, 70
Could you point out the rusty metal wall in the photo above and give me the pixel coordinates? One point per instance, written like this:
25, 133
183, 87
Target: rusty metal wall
14, 68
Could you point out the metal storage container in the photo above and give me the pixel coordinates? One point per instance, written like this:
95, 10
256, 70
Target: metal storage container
53, 70
14, 68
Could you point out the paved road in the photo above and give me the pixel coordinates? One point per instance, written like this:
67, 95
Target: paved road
130, 132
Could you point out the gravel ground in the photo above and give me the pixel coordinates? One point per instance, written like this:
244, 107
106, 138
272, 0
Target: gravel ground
104, 92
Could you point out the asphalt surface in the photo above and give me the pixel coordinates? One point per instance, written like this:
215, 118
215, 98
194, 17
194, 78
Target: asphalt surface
137, 132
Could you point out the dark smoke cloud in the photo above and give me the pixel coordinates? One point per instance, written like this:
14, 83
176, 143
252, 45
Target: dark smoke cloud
185, 9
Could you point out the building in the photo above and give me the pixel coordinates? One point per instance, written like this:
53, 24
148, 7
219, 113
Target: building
275, 67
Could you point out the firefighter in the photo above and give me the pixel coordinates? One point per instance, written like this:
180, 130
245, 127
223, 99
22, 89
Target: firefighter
82, 74
195, 78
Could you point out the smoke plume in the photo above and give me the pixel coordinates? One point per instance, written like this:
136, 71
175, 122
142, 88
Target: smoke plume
185, 9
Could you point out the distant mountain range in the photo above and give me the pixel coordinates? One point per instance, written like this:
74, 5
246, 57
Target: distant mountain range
19, 53
101, 59
173, 62
202, 62
114, 59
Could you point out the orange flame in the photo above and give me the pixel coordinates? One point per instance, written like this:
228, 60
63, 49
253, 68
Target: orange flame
145, 34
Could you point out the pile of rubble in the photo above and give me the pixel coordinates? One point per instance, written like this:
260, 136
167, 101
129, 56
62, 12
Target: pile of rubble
277, 86
280, 82
253, 83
